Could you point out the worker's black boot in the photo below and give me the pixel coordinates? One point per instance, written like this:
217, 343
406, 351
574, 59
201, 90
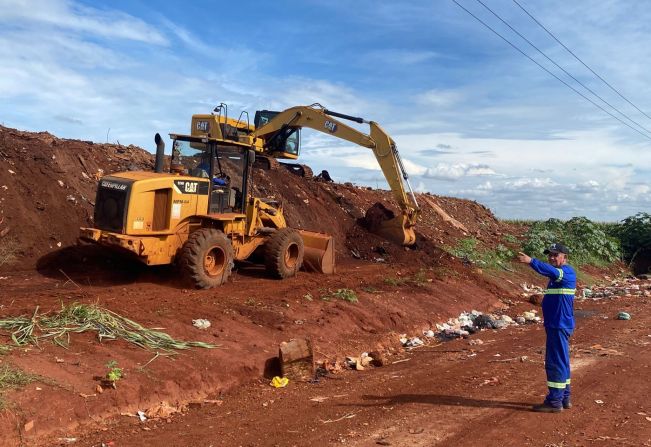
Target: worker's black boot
545, 407
567, 404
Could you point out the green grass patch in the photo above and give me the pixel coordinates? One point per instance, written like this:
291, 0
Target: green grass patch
77, 318
11, 378
341, 294
417, 279
472, 250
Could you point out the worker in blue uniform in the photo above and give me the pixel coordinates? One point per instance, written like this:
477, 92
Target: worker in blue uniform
558, 315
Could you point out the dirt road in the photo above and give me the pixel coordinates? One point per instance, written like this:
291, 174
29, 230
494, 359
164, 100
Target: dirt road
450, 394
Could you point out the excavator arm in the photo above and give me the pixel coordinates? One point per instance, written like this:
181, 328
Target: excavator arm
379, 219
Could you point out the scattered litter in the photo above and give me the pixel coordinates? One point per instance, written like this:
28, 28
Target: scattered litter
71, 198
411, 342
319, 399
279, 382
599, 401
200, 323
61, 184
346, 416
617, 288
400, 361
623, 316
68, 440
141, 416
492, 381
163, 410
10, 171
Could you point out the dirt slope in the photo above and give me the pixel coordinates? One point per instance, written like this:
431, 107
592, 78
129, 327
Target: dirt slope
48, 184
47, 189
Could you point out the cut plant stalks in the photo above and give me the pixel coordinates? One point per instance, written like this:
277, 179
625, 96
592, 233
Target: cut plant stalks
77, 318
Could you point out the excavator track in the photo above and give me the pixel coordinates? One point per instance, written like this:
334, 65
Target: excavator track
298, 169
266, 163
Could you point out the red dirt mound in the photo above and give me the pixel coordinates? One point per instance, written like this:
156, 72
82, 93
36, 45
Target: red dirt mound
47, 189
48, 184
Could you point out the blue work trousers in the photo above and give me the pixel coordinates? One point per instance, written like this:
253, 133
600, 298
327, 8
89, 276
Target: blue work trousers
557, 365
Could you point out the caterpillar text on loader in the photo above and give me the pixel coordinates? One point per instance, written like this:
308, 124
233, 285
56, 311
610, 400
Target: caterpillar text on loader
276, 135
202, 215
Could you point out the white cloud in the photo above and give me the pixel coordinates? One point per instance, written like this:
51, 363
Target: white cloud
72, 16
444, 171
439, 98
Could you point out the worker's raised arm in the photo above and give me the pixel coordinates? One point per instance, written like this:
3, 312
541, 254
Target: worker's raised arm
547, 270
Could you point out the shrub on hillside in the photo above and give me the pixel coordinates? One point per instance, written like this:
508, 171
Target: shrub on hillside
588, 241
635, 234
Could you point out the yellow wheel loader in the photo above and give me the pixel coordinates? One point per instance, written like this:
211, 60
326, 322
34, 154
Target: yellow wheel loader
202, 215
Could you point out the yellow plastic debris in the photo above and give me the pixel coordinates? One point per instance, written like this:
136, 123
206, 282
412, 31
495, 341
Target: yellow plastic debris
279, 382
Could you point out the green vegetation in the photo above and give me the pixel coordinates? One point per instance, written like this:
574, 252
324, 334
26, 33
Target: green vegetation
470, 250
589, 242
77, 318
342, 294
417, 279
114, 372
10, 378
634, 232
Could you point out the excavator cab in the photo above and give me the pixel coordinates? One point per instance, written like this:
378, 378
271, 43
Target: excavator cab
285, 143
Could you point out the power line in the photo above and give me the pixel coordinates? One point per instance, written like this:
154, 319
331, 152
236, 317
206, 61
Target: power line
579, 59
562, 69
552, 74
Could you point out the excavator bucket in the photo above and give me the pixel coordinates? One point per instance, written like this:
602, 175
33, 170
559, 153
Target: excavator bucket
382, 221
319, 252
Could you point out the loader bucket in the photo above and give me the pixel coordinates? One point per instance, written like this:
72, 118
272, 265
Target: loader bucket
319, 252
382, 221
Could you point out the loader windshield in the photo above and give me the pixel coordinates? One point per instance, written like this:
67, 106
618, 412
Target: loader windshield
192, 157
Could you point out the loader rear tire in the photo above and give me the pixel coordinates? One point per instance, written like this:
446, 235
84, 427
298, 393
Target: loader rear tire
284, 253
207, 258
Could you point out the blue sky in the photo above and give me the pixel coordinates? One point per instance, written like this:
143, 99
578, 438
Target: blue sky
472, 117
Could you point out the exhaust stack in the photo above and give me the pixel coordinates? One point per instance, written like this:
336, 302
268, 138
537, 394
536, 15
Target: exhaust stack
160, 153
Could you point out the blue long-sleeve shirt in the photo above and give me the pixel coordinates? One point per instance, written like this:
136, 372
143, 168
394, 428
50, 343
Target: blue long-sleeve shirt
558, 303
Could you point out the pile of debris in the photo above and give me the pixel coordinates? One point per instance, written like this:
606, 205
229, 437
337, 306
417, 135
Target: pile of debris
468, 323
618, 288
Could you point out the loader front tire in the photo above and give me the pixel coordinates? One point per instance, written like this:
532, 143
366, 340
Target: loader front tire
207, 258
284, 253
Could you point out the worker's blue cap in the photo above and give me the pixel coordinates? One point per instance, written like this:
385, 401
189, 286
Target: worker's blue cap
557, 248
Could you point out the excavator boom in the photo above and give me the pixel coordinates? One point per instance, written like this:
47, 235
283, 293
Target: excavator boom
379, 219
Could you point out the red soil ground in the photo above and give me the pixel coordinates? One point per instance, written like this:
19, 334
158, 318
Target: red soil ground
438, 390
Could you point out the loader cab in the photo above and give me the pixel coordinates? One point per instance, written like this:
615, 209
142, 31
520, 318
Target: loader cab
285, 143
226, 165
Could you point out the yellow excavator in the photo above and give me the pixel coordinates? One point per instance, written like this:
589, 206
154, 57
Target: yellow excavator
202, 215
276, 135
